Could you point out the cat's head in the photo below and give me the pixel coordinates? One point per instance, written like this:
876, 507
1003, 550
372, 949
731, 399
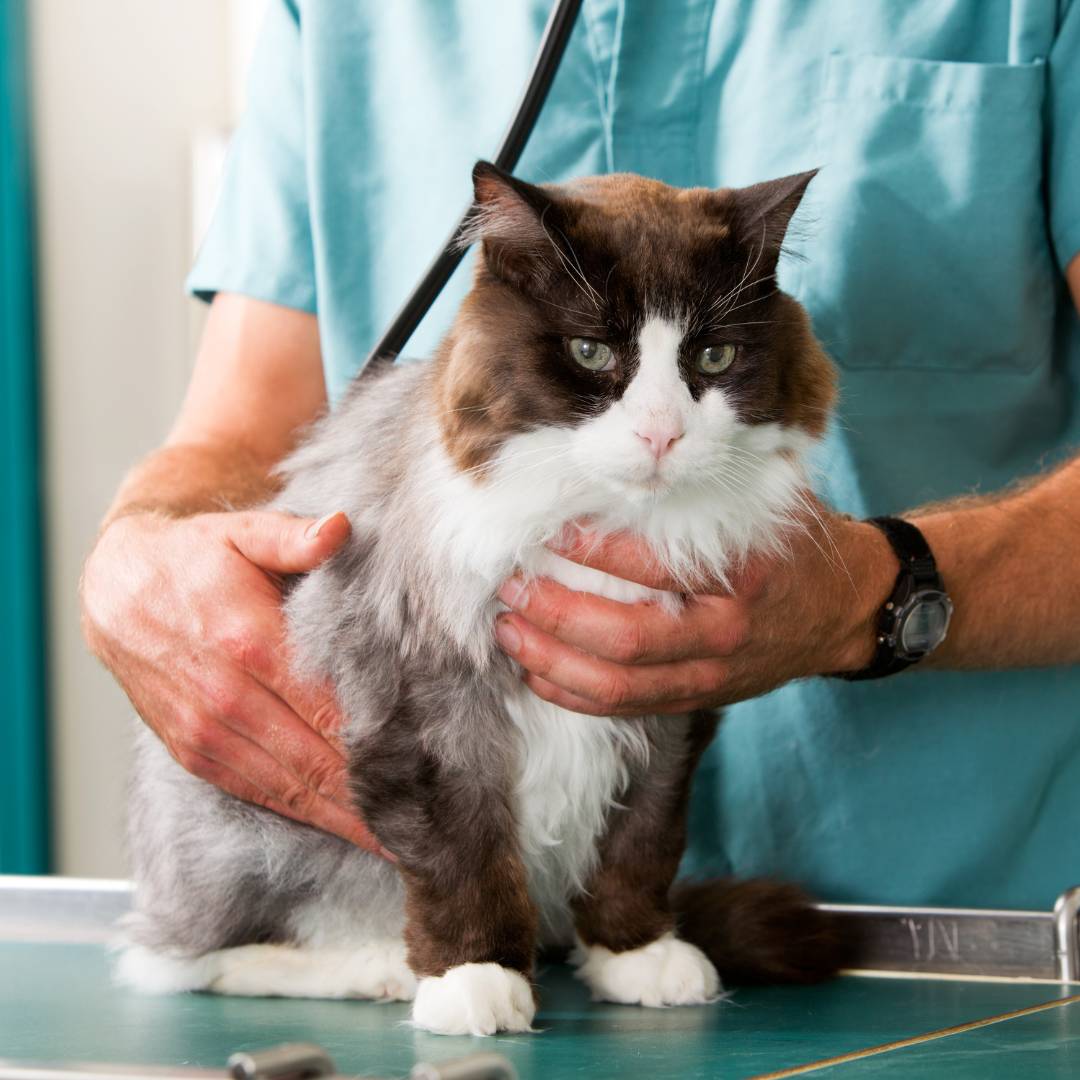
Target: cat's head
625, 349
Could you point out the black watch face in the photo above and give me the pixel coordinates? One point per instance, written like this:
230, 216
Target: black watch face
923, 623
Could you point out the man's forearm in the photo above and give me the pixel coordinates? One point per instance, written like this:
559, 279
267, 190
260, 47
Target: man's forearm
1011, 563
182, 479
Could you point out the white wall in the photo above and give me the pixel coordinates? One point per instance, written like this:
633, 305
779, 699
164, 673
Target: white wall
121, 89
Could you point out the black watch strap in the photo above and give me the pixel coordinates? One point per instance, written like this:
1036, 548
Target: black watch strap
918, 570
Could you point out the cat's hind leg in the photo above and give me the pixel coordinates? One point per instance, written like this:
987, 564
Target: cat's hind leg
151, 971
374, 970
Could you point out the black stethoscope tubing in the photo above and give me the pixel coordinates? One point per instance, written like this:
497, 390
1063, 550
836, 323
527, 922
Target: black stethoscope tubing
552, 46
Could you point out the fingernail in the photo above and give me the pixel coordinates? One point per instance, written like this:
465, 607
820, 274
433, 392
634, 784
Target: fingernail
313, 530
507, 636
514, 594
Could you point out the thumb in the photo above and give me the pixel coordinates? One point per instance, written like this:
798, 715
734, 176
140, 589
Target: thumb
283, 544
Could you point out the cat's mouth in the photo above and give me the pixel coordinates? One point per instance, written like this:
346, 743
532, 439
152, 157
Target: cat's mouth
648, 481
654, 474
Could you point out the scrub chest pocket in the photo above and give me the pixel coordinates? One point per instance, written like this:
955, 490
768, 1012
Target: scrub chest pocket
929, 210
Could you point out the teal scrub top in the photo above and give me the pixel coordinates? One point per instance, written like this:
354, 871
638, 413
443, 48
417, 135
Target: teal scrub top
933, 243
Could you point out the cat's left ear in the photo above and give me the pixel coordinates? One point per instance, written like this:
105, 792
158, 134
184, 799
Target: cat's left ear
764, 211
514, 222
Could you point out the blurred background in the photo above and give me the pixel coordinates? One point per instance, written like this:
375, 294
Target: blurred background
114, 122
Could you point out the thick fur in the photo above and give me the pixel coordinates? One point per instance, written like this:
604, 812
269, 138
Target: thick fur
760, 931
514, 822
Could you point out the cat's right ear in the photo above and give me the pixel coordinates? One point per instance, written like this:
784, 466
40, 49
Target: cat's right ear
513, 222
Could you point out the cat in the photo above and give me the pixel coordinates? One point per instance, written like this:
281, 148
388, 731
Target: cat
624, 357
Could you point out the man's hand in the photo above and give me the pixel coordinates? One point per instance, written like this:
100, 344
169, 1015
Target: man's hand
186, 613
808, 612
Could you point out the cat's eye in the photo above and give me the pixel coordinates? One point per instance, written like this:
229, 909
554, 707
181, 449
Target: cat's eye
594, 355
714, 359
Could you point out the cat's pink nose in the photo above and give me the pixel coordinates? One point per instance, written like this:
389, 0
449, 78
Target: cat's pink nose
660, 438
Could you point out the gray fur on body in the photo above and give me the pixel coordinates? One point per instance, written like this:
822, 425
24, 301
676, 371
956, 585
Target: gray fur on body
383, 618
508, 814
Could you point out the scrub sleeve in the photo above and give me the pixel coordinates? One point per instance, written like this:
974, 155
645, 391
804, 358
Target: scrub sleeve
259, 241
1063, 122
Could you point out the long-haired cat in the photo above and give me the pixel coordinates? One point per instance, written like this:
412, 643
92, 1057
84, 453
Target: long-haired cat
624, 357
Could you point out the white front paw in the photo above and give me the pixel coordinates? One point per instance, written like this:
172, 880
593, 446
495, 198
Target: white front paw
474, 999
665, 972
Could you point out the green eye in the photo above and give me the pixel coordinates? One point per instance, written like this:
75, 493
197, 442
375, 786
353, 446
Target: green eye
715, 358
594, 355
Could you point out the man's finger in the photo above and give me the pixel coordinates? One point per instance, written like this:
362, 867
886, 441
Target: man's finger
616, 688
564, 699
550, 691
315, 705
283, 544
642, 633
261, 650
263, 719
626, 556
264, 772
324, 815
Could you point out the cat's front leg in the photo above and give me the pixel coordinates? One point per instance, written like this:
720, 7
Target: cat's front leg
628, 950
471, 935
445, 812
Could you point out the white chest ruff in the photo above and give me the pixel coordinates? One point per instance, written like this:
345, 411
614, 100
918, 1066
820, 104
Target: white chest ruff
573, 768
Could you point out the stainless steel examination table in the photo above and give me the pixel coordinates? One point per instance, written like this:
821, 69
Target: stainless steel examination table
946, 993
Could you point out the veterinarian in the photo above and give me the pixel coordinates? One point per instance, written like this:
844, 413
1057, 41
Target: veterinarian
940, 263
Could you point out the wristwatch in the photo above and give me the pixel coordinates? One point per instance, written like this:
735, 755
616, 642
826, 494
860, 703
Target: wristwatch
915, 618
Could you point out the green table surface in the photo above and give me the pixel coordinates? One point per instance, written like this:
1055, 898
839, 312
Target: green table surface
57, 1004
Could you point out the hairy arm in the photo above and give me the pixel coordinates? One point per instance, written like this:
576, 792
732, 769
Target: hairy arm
181, 593
1008, 560
257, 382
1009, 563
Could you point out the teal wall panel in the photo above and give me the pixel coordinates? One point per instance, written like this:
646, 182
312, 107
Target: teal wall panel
24, 796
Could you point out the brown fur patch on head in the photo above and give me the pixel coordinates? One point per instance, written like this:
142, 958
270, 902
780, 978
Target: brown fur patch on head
808, 376
593, 259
